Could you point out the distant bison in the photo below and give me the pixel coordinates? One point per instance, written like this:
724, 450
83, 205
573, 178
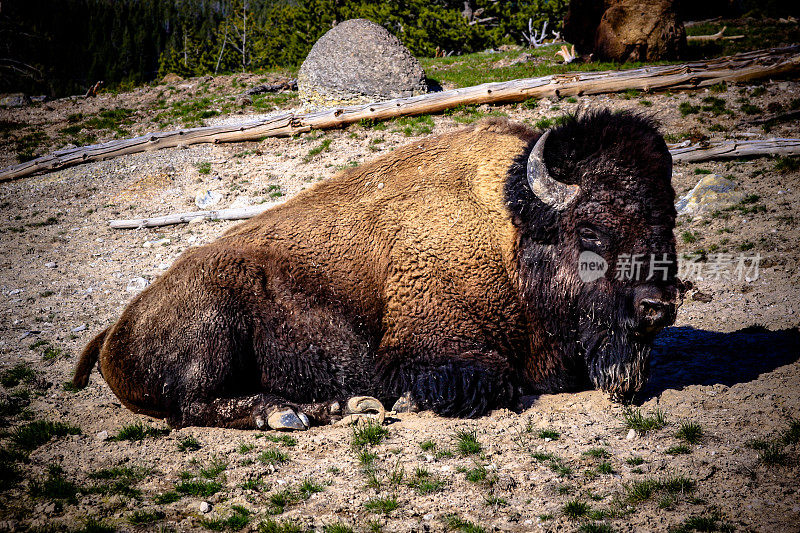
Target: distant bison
449, 268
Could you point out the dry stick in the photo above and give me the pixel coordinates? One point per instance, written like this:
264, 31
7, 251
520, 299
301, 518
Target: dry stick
739, 68
714, 36
723, 150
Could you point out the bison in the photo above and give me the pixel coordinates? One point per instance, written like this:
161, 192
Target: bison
447, 271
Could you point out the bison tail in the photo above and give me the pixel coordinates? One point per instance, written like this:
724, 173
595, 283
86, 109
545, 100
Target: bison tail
87, 360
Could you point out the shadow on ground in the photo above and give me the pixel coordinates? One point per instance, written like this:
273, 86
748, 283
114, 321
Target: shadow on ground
687, 356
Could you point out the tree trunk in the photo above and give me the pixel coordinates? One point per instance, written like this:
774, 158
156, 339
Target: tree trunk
743, 67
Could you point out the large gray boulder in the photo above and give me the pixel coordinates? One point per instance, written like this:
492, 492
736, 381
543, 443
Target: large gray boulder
358, 61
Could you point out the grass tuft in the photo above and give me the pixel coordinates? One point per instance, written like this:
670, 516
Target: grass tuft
140, 517
19, 373
467, 442
383, 505
271, 526
273, 456
198, 487
690, 432
188, 444
138, 431
369, 433
575, 509
31, 436
641, 423
456, 523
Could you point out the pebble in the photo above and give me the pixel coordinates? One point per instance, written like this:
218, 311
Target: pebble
80, 328
205, 507
103, 435
137, 284
51, 264
156, 242
428, 516
631, 434
206, 199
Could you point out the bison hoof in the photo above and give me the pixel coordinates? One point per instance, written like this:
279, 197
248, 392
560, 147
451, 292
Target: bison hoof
406, 404
289, 420
362, 408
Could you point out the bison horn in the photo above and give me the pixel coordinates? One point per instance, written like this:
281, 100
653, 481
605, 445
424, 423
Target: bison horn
553, 193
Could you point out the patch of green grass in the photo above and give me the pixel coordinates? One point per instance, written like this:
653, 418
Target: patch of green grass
709, 523
309, 487
35, 434
770, 452
792, 433
495, 501
605, 468
118, 480
325, 145
138, 431
549, 434
337, 527
543, 457
245, 447
689, 237
545, 123
787, 164
67, 386
419, 125
599, 453
28, 145
575, 509
111, 119
253, 483
680, 449
189, 443
273, 456
636, 420
716, 106
19, 373
92, 525
237, 520
645, 103
688, 109
214, 469
286, 440
51, 353
456, 523
204, 167
384, 505
427, 445
369, 433
271, 526
167, 497
644, 489
141, 517
702, 171
476, 474
191, 112
54, 487
690, 432
750, 109
366, 457
198, 487
467, 442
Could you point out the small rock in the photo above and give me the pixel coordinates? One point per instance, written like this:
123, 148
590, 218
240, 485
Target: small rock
206, 199
50, 265
205, 507
631, 434
103, 435
171, 78
710, 194
157, 242
428, 457
701, 297
80, 328
428, 516
137, 285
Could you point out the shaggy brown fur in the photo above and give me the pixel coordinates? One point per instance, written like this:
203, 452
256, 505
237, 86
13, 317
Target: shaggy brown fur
400, 275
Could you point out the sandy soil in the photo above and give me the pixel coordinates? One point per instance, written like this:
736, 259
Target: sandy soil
65, 275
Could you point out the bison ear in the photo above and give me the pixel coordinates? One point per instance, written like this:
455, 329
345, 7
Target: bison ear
551, 192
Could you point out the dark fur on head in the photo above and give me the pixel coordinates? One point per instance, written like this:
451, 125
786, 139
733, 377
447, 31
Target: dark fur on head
625, 207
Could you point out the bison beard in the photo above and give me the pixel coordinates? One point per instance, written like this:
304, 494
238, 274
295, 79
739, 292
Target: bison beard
446, 269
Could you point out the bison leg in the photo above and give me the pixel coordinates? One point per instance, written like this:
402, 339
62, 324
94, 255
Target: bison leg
462, 388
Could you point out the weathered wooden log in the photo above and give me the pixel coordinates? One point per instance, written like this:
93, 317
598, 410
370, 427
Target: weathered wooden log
681, 153
733, 149
739, 68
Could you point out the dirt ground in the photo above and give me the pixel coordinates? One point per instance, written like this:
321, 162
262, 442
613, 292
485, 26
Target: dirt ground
564, 463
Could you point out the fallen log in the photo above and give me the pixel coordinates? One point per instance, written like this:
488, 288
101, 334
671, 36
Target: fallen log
680, 153
739, 68
734, 149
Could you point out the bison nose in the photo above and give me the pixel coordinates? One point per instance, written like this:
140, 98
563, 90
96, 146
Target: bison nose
653, 312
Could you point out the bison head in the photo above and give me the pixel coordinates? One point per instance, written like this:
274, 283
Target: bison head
595, 209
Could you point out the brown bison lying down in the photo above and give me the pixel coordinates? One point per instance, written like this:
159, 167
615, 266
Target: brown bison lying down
448, 269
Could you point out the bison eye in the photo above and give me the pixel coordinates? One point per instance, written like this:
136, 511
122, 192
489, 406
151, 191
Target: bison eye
592, 239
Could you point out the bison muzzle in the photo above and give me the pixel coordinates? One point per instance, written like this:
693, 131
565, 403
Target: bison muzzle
448, 271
